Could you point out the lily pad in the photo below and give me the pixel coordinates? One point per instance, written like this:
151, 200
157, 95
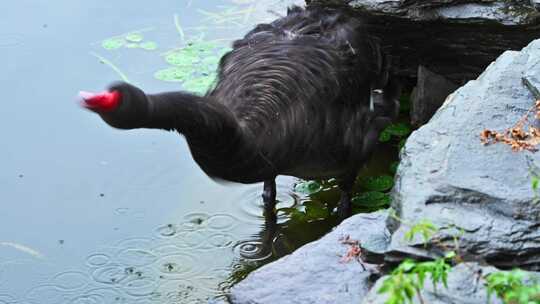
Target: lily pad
112, 43
372, 200
393, 167
200, 84
308, 187
316, 211
385, 136
309, 211
210, 61
398, 129
174, 74
182, 58
401, 143
148, 45
404, 103
134, 37
377, 183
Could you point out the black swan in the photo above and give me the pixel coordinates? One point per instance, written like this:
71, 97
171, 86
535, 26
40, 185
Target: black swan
305, 95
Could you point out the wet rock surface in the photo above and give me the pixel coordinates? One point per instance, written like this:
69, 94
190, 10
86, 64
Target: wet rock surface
482, 194
499, 11
318, 272
457, 39
429, 94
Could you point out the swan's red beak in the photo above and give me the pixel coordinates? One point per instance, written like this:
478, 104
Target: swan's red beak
100, 102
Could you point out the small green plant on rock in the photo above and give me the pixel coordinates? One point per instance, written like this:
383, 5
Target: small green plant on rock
407, 280
510, 286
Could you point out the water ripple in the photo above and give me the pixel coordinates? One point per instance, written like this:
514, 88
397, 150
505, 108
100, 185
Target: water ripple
98, 296
70, 280
8, 299
177, 266
194, 221
222, 222
166, 231
135, 257
252, 250
47, 291
10, 40
110, 274
97, 260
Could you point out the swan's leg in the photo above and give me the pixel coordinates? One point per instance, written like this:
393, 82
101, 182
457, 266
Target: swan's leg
269, 196
345, 185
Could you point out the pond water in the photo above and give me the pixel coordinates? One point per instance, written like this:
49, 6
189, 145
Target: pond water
90, 214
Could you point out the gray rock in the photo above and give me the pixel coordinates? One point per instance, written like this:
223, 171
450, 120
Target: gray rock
430, 92
536, 4
457, 39
499, 11
466, 285
482, 194
316, 273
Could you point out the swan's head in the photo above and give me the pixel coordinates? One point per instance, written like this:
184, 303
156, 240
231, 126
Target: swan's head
122, 106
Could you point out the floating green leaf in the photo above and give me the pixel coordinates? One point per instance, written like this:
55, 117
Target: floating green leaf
200, 84
377, 183
401, 143
210, 61
385, 136
174, 74
372, 200
394, 166
315, 211
148, 45
134, 37
182, 58
404, 103
398, 129
112, 43
308, 187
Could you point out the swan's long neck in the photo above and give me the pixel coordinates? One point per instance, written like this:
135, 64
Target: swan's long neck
216, 141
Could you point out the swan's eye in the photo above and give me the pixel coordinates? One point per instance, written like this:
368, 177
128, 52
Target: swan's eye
100, 102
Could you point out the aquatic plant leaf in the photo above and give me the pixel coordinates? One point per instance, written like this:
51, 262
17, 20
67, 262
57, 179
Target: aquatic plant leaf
385, 136
377, 183
394, 166
174, 74
223, 51
308, 187
401, 143
398, 129
315, 211
210, 62
134, 37
372, 200
148, 45
404, 103
182, 58
200, 84
112, 43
